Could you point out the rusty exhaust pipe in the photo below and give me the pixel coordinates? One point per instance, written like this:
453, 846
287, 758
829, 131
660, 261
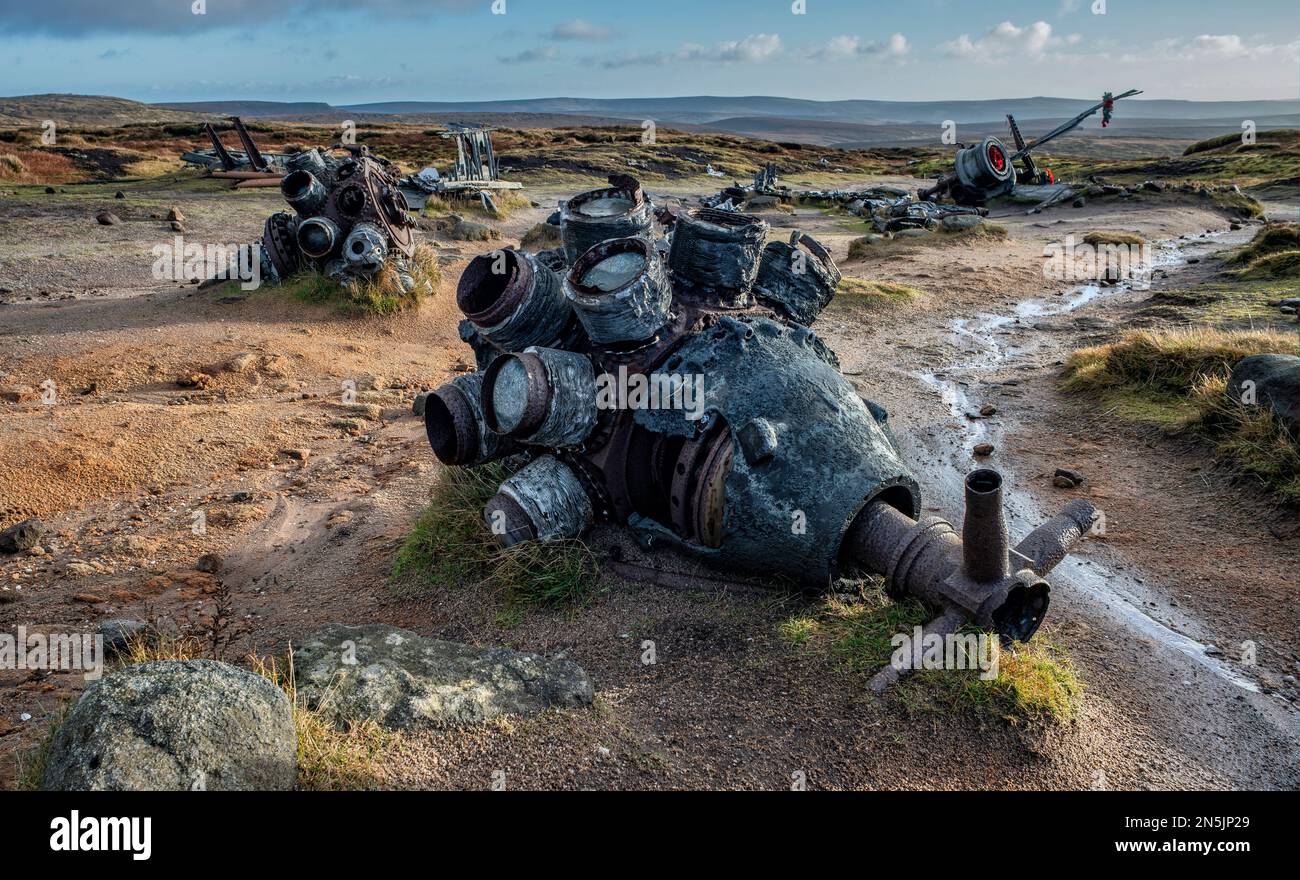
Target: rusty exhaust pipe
975, 578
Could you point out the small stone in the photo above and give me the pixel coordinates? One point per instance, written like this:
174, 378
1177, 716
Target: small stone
983, 449
1070, 478
119, 195
22, 536
1063, 482
119, 633
88, 598
1213, 651
417, 405
988, 409
175, 215
241, 497
209, 562
297, 454
177, 226
107, 218
241, 362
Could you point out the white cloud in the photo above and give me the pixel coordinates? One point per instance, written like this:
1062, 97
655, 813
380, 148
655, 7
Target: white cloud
529, 56
1007, 40
579, 29
753, 49
846, 46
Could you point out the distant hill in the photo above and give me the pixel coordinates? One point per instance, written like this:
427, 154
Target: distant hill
255, 108
706, 109
85, 111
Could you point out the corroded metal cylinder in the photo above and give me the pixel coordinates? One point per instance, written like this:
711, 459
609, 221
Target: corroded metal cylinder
365, 249
797, 279
541, 396
304, 192
455, 426
513, 300
619, 291
714, 256
594, 216
545, 501
318, 237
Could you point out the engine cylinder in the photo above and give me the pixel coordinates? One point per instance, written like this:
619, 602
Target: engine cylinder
317, 237
541, 396
545, 501
620, 291
513, 300
304, 192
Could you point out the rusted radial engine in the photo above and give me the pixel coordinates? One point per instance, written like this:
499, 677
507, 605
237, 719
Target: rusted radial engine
757, 454
349, 219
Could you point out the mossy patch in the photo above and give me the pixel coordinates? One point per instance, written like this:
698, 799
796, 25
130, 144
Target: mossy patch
381, 295
1034, 682
863, 293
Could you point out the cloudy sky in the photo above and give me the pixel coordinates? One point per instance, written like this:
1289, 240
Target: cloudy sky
348, 51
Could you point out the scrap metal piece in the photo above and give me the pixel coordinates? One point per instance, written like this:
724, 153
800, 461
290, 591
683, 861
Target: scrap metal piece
797, 279
546, 501
513, 300
618, 211
714, 255
619, 291
255, 157
223, 155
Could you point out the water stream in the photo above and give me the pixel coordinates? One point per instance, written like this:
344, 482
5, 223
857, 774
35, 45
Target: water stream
1113, 592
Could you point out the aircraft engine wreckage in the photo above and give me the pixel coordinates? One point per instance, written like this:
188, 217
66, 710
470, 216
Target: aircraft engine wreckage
759, 455
349, 219
987, 170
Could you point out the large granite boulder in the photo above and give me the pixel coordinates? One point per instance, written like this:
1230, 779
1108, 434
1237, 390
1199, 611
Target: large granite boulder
402, 680
1276, 379
174, 725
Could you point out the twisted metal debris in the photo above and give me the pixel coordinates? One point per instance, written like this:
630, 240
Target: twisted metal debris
685, 397
349, 219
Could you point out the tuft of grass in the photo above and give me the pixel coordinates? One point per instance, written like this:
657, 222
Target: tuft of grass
507, 201
1271, 239
450, 547
11, 167
1175, 380
30, 772
1284, 264
1105, 237
873, 294
1035, 682
1238, 204
330, 757
986, 231
381, 295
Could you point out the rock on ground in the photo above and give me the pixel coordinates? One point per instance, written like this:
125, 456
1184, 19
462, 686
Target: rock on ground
21, 536
173, 725
1277, 384
402, 680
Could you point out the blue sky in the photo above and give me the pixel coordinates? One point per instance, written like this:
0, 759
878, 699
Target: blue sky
348, 52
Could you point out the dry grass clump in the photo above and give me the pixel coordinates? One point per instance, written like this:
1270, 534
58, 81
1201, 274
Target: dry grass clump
1176, 380
450, 547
